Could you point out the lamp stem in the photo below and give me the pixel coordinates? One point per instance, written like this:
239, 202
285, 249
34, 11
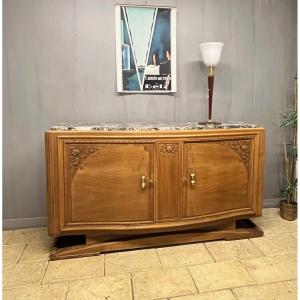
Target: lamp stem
211, 77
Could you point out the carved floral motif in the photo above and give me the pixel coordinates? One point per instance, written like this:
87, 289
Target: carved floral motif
188, 146
77, 154
169, 149
242, 148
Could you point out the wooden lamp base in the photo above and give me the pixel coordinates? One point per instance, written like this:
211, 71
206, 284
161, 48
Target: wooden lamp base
94, 245
211, 78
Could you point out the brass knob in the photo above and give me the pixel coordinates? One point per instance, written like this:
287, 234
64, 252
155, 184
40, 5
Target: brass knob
143, 186
193, 179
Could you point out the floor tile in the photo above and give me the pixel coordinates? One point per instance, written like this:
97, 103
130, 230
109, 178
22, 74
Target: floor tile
62, 270
23, 274
293, 284
276, 227
20, 236
6, 235
218, 295
37, 251
255, 219
275, 272
276, 291
131, 261
178, 256
277, 244
272, 268
232, 250
162, 283
112, 287
55, 291
271, 213
220, 275
11, 253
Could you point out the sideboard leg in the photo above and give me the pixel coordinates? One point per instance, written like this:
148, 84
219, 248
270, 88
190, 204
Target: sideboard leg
93, 239
94, 245
74, 252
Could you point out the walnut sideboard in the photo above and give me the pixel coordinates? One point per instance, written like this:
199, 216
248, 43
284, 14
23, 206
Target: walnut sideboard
136, 186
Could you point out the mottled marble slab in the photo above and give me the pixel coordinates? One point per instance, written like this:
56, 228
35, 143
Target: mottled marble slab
147, 127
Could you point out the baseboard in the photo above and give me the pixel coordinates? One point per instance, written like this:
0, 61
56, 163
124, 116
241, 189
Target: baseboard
42, 221
273, 202
24, 223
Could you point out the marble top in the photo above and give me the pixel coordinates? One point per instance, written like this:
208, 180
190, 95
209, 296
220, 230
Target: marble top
147, 127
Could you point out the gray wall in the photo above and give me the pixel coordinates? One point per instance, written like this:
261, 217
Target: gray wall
59, 65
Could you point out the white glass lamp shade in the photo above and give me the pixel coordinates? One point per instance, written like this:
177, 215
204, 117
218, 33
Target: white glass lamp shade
211, 53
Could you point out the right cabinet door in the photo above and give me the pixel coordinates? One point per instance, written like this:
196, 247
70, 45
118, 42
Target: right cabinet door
218, 176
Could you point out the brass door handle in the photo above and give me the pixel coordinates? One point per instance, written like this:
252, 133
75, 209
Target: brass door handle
193, 179
143, 182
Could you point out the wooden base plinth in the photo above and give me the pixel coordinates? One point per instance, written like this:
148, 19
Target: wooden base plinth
244, 229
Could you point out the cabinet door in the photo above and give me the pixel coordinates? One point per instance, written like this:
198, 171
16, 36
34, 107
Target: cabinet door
219, 177
108, 183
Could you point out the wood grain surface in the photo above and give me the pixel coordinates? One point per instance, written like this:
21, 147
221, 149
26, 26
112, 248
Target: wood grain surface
140, 182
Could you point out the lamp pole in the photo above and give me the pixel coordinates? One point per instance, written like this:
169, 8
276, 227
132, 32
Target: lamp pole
211, 77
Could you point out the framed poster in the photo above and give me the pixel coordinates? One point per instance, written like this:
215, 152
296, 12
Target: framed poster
146, 49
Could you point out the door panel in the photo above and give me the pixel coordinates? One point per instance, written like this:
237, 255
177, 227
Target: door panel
105, 183
168, 180
222, 174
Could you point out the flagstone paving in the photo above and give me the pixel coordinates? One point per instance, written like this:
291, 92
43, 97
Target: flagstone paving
260, 268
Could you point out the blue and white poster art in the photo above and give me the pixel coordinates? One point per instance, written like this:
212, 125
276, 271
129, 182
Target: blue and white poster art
146, 49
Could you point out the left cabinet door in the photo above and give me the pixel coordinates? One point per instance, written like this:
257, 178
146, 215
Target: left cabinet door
107, 183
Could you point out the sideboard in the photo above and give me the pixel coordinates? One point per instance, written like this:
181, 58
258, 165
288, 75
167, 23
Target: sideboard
137, 186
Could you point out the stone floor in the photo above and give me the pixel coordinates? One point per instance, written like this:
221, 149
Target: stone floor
261, 268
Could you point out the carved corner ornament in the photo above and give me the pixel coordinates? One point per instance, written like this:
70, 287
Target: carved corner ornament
242, 148
168, 149
147, 148
77, 154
